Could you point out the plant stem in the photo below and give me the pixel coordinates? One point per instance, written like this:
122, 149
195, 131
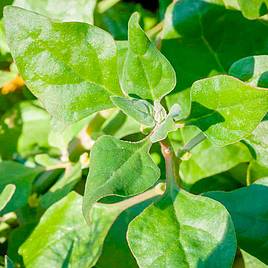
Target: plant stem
172, 165
159, 189
191, 144
156, 29
248, 178
104, 5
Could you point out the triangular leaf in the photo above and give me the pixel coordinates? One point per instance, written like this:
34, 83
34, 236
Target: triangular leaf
118, 168
71, 67
146, 72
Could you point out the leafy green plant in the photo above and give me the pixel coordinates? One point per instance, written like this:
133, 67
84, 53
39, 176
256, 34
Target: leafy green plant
139, 144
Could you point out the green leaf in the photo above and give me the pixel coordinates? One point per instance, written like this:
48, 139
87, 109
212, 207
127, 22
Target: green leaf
20, 176
16, 238
250, 261
259, 141
63, 186
116, 252
141, 110
62, 10
198, 48
146, 72
219, 182
183, 230
252, 70
26, 126
253, 9
71, 67
168, 125
118, 168
207, 159
60, 136
226, 109
248, 210
6, 195
62, 238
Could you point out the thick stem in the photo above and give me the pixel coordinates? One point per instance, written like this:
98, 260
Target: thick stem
104, 5
172, 165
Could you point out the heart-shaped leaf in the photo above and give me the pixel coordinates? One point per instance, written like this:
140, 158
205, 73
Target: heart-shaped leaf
118, 168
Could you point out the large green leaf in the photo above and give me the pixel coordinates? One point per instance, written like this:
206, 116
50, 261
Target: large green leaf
118, 168
71, 67
146, 72
22, 177
248, 210
198, 48
63, 239
183, 230
226, 109
26, 126
252, 70
207, 159
62, 10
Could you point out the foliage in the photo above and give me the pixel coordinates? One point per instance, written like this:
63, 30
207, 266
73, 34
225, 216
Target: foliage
132, 137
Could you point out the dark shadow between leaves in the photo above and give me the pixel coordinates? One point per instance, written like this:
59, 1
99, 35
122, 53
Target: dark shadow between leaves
203, 117
204, 49
247, 207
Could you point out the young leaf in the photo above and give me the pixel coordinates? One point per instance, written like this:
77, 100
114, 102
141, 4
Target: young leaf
183, 230
63, 238
141, 110
20, 176
118, 168
71, 67
226, 109
146, 72
248, 210
252, 70
62, 10
168, 125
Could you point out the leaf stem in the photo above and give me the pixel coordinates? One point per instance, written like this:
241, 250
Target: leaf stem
159, 189
191, 144
155, 30
248, 178
104, 5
